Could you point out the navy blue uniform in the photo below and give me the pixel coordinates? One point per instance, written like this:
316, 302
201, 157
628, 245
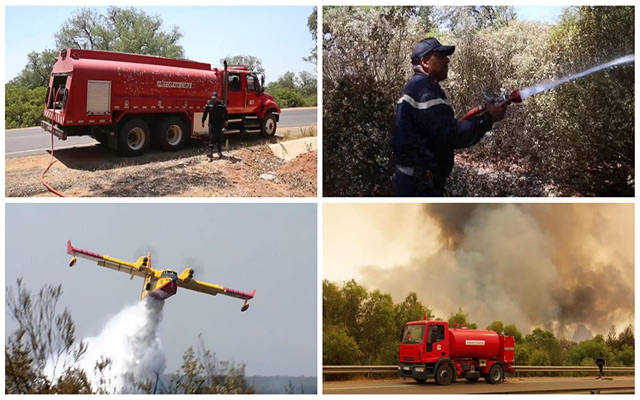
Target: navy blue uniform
426, 134
217, 113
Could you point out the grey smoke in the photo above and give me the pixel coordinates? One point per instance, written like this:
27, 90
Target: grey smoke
559, 267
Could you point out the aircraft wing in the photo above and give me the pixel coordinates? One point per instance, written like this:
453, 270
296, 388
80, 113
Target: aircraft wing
139, 268
209, 288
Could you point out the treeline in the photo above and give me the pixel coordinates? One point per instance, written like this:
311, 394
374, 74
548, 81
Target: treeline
295, 91
361, 327
577, 139
45, 340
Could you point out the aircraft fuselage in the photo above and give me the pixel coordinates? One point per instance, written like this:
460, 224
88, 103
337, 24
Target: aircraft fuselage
160, 288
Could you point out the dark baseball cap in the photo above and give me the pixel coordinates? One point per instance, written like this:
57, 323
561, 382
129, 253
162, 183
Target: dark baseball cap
426, 46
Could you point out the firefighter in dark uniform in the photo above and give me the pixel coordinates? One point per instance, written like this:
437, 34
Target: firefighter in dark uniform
600, 364
217, 113
426, 131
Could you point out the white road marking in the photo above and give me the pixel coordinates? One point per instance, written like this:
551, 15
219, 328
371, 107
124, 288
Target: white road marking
49, 148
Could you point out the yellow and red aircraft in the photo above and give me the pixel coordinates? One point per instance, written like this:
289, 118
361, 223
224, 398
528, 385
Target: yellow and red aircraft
159, 284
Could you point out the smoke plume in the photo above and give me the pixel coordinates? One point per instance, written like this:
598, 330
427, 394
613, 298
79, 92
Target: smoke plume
130, 340
568, 268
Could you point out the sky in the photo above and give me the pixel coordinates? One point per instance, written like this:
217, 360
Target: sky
548, 15
267, 247
568, 268
279, 36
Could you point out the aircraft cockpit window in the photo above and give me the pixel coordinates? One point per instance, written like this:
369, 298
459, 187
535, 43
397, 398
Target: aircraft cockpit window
168, 274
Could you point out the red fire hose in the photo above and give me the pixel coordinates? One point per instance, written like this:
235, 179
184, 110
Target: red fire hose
51, 160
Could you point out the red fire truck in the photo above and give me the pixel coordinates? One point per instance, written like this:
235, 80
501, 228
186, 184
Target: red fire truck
131, 101
431, 349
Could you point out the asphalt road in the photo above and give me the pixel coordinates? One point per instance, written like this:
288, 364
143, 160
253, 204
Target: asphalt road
34, 141
511, 385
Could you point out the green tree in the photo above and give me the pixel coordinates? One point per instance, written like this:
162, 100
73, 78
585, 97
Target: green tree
338, 348
333, 304
626, 338
626, 356
496, 326
128, 30
511, 330
23, 106
545, 341
587, 351
37, 71
202, 373
312, 23
539, 357
410, 310
355, 297
45, 338
473, 17
252, 62
308, 83
378, 339
461, 318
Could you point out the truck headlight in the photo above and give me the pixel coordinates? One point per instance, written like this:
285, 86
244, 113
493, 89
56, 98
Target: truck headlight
419, 369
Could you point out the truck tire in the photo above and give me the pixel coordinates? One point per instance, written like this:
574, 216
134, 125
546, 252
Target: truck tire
268, 125
444, 376
134, 138
171, 134
495, 375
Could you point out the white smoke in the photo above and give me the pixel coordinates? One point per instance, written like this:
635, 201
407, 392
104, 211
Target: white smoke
130, 340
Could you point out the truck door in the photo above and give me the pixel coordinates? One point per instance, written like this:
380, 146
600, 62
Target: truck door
236, 93
253, 86
437, 343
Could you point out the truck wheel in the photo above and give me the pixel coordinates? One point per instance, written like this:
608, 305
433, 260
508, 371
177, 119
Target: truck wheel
171, 134
268, 125
444, 376
496, 374
134, 138
419, 380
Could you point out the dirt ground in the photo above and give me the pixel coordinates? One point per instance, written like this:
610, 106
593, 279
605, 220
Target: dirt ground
248, 170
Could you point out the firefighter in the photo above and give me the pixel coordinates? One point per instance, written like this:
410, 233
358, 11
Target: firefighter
426, 132
217, 113
600, 364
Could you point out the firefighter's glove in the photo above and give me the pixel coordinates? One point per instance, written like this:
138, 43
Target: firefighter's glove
496, 111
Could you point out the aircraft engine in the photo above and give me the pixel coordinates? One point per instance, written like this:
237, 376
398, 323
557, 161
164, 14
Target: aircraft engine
186, 275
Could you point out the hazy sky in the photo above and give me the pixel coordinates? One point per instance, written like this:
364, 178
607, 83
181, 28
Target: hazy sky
279, 36
268, 247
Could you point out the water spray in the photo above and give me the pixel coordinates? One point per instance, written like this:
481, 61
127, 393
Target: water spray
519, 95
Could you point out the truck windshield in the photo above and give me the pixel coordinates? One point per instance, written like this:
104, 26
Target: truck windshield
413, 334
